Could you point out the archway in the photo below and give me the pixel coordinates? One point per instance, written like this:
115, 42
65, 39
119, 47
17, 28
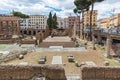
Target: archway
34, 32
25, 32
21, 32
29, 33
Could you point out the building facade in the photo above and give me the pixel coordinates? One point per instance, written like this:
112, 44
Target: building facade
103, 23
62, 22
9, 24
24, 23
115, 20
86, 18
38, 21
72, 19
66, 23
33, 24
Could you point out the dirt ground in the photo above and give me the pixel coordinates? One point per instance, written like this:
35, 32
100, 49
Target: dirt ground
70, 68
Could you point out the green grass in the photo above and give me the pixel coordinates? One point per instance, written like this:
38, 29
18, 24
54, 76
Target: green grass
111, 61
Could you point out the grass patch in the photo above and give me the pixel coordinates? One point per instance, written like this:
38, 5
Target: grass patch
111, 61
102, 48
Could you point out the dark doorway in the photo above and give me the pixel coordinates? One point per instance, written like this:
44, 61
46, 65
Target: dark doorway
34, 32
29, 32
25, 32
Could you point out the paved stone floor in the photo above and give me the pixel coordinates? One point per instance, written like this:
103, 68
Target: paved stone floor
60, 49
57, 60
73, 77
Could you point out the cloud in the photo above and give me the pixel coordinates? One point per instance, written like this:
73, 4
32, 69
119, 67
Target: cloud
105, 8
63, 8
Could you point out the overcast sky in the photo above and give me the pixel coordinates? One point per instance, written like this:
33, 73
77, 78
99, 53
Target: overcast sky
63, 8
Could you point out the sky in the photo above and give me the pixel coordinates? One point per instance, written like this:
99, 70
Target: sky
62, 8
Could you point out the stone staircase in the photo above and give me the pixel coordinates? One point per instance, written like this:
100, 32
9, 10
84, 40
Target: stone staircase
64, 44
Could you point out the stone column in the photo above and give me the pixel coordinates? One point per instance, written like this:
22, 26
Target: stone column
108, 46
74, 29
38, 42
93, 42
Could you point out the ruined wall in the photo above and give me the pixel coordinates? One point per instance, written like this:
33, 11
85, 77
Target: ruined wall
28, 41
6, 41
100, 73
116, 49
26, 72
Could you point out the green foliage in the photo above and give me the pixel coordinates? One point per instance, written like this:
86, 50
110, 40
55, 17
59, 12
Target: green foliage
82, 4
75, 10
19, 14
50, 21
55, 21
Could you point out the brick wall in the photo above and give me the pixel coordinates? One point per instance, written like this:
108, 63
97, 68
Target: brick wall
64, 44
116, 49
28, 41
26, 72
100, 73
6, 41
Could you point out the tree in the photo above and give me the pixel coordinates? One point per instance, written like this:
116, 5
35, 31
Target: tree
85, 4
91, 34
50, 21
19, 14
92, 7
76, 11
55, 21
81, 5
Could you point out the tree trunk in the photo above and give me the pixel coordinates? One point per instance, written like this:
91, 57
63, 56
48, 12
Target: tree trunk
91, 12
82, 25
79, 26
92, 38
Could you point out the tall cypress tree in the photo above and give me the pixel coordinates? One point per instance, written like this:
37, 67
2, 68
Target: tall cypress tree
55, 21
50, 21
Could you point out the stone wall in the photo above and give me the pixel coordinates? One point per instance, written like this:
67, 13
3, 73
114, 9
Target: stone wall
100, 73
6, 41
116, 49
26, 72
28, 41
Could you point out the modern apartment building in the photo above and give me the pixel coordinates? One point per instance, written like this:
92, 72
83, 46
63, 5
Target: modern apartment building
38, 21
62, 22
66, 23
86, 18
24, 23
72, 19
115, 20
9, 25
103, 23
33, 24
